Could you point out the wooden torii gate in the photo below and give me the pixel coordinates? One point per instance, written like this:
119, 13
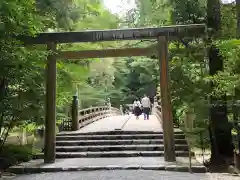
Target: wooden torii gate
162, 34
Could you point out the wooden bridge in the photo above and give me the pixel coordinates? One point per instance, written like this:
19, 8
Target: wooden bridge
106, 132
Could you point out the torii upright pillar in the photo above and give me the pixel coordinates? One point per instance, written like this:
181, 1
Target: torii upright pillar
167, 119
50, 107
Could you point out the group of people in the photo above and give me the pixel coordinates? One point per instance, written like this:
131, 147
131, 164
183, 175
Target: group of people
142, 107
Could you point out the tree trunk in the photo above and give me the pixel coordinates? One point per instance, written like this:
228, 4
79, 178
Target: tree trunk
238, 17
219, 128
237, 91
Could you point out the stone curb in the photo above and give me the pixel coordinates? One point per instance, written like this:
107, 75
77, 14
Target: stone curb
116, 132
174, 168
109, 154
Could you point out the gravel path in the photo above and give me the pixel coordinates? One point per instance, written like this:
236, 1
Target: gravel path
124, 175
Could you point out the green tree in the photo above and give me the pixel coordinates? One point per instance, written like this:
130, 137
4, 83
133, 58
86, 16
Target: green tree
22, 76
188, 65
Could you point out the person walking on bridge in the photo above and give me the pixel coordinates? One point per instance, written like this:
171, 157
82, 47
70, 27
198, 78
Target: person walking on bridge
137, 108
146, 104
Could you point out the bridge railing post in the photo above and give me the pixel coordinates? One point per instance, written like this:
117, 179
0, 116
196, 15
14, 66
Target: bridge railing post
75, 115
81, 117
93, 112
121, 109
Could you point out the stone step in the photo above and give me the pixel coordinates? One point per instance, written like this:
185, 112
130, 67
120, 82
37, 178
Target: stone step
146, 147
117, 154
116, 132
116, 137
116, 142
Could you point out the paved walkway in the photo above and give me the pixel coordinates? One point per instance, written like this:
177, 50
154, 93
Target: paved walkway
152, 124
106, 124
137, 162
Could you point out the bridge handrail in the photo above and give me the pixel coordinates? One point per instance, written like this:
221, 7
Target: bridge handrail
157, 111
96, 113
92, 112
91, 109
88, 115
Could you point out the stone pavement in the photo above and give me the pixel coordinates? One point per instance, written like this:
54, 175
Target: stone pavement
90, 164
124, 175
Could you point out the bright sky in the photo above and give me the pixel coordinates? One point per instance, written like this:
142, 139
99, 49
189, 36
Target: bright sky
120, 6
227, 1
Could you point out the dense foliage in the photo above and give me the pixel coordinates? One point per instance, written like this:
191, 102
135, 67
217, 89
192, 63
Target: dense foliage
200, 82
22, 76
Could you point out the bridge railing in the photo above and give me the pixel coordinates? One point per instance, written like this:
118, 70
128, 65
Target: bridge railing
157, 112
83, 117
89, 115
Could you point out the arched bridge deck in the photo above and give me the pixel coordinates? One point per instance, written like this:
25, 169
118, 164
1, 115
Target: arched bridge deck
124, 123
